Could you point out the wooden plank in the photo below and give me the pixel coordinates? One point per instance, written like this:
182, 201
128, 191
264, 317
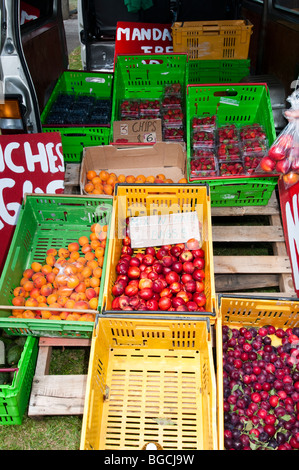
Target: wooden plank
271, 208
245, 233
240, 282
57, 395
49, 341
251, 264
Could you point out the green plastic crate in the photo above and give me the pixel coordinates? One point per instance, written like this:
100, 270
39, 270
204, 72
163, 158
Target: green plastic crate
144, 76
241, 105
75, 138
217, 71
14, 398
47, 221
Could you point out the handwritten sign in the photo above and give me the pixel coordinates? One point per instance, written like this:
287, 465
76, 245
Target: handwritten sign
29, 163
147, 131
143, 38
289, 202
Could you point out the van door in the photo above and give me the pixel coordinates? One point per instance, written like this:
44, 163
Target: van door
19, 105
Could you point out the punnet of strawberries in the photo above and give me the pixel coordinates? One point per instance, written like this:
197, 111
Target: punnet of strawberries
261, 388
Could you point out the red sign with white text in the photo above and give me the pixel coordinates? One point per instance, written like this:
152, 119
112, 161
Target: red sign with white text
289, 202
142, 38
29, 163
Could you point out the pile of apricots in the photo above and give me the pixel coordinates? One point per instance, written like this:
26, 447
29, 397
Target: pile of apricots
68, 279
103, 182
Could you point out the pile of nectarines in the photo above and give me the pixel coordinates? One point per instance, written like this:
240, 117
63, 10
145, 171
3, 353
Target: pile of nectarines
103, 182
66, 285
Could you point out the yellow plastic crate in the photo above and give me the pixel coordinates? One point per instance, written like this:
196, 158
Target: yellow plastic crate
245, 311
153, 199
150, 381
212, 40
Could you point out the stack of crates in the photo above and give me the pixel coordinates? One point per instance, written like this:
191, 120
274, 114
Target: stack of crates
151, 376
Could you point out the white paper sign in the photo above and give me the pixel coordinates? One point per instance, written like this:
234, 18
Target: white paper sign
158, 230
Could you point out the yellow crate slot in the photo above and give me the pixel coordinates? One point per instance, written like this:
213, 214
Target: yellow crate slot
150, 381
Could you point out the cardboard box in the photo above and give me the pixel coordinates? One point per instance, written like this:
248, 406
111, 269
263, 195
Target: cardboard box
138, 131
163, 157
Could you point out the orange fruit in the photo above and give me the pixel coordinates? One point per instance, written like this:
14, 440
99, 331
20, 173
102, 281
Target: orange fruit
130, 179
83, 240
150, 179
97, 191
89, 187
96, 180
108, 189
140, 179
91, 174
121, 178
183, 180
104, 175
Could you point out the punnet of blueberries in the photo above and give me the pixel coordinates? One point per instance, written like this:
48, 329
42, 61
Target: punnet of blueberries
260, 388
79, 109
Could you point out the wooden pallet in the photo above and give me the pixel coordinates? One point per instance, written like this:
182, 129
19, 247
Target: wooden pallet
56, 394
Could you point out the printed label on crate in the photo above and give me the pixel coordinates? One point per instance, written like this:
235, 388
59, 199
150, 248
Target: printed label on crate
29, 163
158, 230
143, 38
138, 131
289, 203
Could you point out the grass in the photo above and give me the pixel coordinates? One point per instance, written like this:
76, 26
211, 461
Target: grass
50, 432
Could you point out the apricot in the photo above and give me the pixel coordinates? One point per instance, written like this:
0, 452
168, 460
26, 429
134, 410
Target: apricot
51, 299
86, 248
90, 293
104, 175
95, 282
35, 293
140, 179
99, 252
41, 300
70, 269
101, 261
51, 251
73, 317
97, 272
74, 246
63, 253
86, 272
28, 286
72, 282
74, 255
93, 303
51, 277
130, 179
96, 180
31, 302
69, 304
64, 315
83, 240
28, 273
121, 178
61, 279
160, 176
18, 301
89, 187
183, 180
81, 287
45, 314
39, 281
168, 181
90, 174
36, 266
55, 316
29, 314
150, 179
19, 291
108, 189
81, 305
87, 317
90, 256
46, 269
87, 282
61, 300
